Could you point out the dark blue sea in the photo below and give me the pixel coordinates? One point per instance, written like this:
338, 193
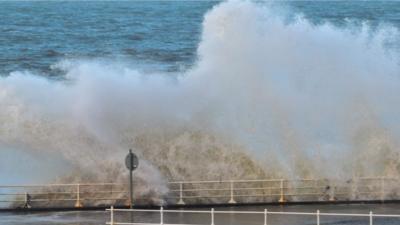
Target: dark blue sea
155, 35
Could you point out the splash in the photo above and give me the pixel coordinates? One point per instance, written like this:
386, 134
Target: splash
266, 98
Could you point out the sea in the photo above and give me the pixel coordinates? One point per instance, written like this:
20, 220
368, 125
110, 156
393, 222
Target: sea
153, 35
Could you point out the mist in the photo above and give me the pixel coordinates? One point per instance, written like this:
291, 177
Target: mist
266, 98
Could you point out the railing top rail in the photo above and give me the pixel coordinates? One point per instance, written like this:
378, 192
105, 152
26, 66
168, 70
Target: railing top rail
158, 210
222, 181
57, 185
280, 179
258, 212
121, 223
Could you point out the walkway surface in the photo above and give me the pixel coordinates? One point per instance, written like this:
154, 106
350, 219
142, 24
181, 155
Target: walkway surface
100, 217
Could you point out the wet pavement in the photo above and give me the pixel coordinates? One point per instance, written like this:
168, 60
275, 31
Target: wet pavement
101, 217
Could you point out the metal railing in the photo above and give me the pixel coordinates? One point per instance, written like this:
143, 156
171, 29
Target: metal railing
317, 215
281, 190
62, 195
204, 192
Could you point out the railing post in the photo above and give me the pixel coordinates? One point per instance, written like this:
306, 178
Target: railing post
161, 215
232, 200
265, 216
212, 216
354, 187
370, 218
181, 202
332, 192
78, 203
382, 189
318, 217
281, 199
112, 215
27, 204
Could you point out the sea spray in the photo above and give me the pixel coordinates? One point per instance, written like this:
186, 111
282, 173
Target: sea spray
266, 98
